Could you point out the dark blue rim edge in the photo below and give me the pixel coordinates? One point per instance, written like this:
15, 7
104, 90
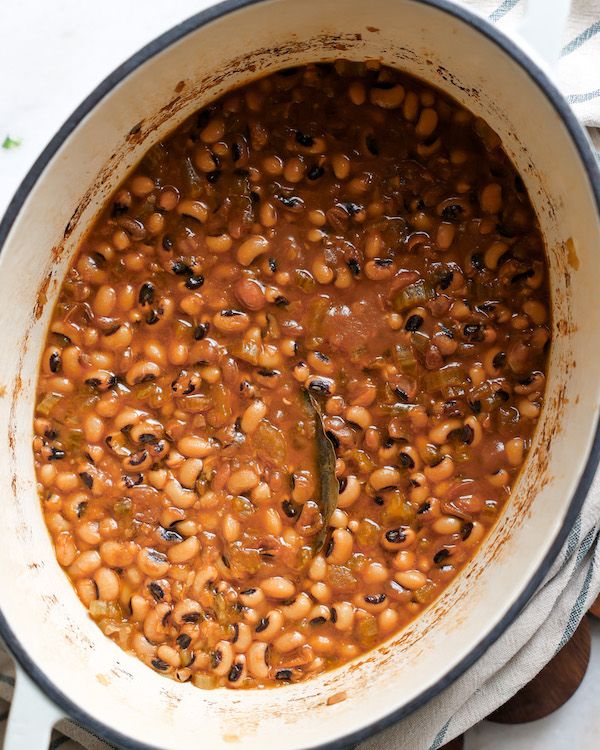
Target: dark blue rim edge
590, 164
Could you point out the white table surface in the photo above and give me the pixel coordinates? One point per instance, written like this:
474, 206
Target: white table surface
52, 54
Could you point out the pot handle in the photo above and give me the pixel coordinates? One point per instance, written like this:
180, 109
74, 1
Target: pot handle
32, 716
542, 28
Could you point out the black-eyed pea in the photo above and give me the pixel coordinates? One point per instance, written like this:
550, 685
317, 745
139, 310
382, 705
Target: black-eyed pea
155, 627
358, 415
108, 584
323, 273
473, 533
493, 254
398, 538
289, 641
242, 481
242, 637
375, 572
142, 371
65, 548
213, 131
86, 590
340, 548
439, 434
410, 107
271, 521
188, 472
252, 597
387, 98
93, 428
230, 528
321, 592
410, 579
445, 235
322, 644
144, 650
192, 446
440, 471
388, 620
446, 525
298, 609
427, 123
118, 554
252, 416
257, 660
528, 409
169, 655
536, 310
404, 560
357, 93
222, 657
261, 494
339, 519
384, 478
184, 551
301, 372
187, 611
219, 243
514, 449
499, 478
140, 606
231, 321
278, 587
251, 249
350, 493
477, 432
340, 164
320, 363
85, 565
490, 198
342, 615
269, 627
152, 562
238, 672
178, 495
380, 269
372, 603
317, 569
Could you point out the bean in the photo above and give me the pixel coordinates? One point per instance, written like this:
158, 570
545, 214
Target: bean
241, 481
269, 626
184, 551
253, 415
152, 563
231, 321
107, 582
342, 544
251, 248
350, 493
193, 446
154, 626
390, 98
491, 198
289, 641
514, 451
249, 294
446, 525
385, 477
410, 579
257, 660
277, 587
427, 123
85, 564
222, 658
66, 550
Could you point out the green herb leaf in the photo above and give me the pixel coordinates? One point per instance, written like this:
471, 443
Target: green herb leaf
9, 143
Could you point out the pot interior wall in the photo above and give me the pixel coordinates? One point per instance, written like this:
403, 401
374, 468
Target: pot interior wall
37, 600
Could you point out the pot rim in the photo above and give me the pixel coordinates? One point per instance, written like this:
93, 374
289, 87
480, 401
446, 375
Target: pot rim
592, 169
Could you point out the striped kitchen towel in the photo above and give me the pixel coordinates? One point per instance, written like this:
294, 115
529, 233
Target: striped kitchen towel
572, 584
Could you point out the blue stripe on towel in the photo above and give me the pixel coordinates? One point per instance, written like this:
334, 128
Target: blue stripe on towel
581, 39
586, 97
440, 736
503, 9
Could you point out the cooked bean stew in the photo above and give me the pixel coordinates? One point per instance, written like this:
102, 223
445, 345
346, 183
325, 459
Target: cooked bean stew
291, 376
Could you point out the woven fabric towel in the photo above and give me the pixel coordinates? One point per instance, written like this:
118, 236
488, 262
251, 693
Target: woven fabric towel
572, 584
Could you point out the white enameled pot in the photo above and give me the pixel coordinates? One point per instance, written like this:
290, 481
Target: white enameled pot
65, 665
